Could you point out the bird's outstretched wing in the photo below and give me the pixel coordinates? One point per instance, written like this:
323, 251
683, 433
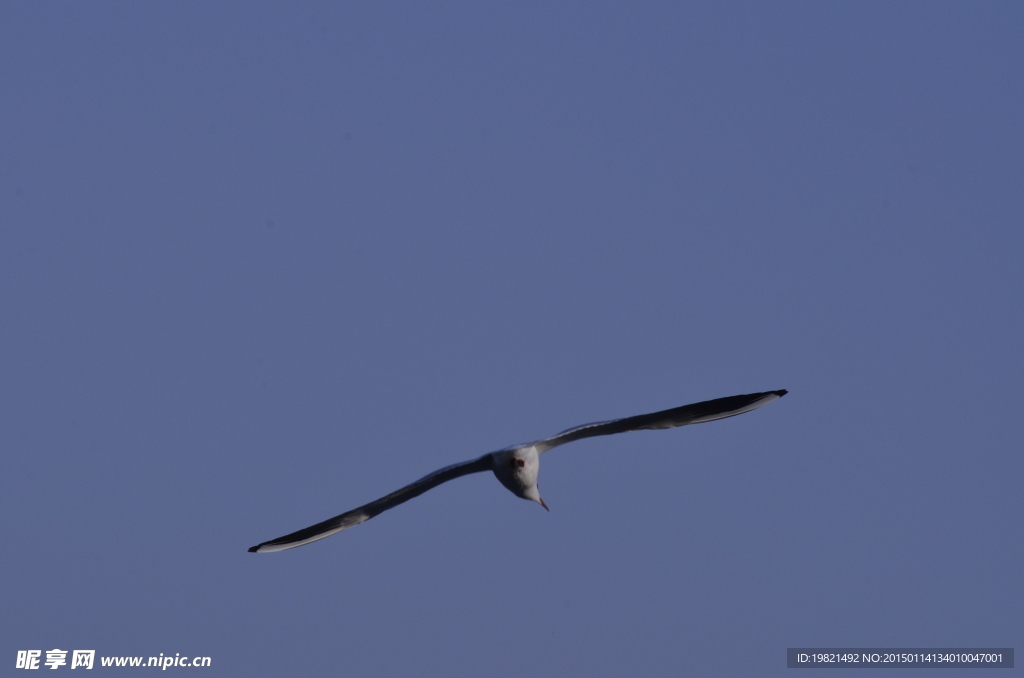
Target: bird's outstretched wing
364, 513
697, 413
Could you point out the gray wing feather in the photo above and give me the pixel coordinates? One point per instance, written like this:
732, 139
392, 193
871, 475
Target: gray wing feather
367, 511
696, 413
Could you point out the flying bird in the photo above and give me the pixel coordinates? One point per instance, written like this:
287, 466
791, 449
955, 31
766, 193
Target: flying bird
516, 467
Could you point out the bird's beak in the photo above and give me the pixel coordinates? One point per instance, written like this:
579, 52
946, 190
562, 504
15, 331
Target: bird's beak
544, 505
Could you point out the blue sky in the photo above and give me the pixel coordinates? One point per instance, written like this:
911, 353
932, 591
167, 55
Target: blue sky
260, 264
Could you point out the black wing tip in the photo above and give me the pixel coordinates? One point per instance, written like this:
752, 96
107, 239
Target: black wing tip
255, 549
780, 392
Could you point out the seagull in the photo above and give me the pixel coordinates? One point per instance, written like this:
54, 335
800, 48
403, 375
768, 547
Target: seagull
516, 467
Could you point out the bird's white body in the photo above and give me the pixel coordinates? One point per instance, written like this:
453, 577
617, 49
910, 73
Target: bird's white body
517, 467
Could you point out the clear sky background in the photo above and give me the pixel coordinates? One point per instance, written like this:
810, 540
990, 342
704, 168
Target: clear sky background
260, 264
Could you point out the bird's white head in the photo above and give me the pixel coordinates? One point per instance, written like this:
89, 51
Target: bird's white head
517, 469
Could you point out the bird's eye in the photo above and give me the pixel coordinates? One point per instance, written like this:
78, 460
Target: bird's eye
521, 463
